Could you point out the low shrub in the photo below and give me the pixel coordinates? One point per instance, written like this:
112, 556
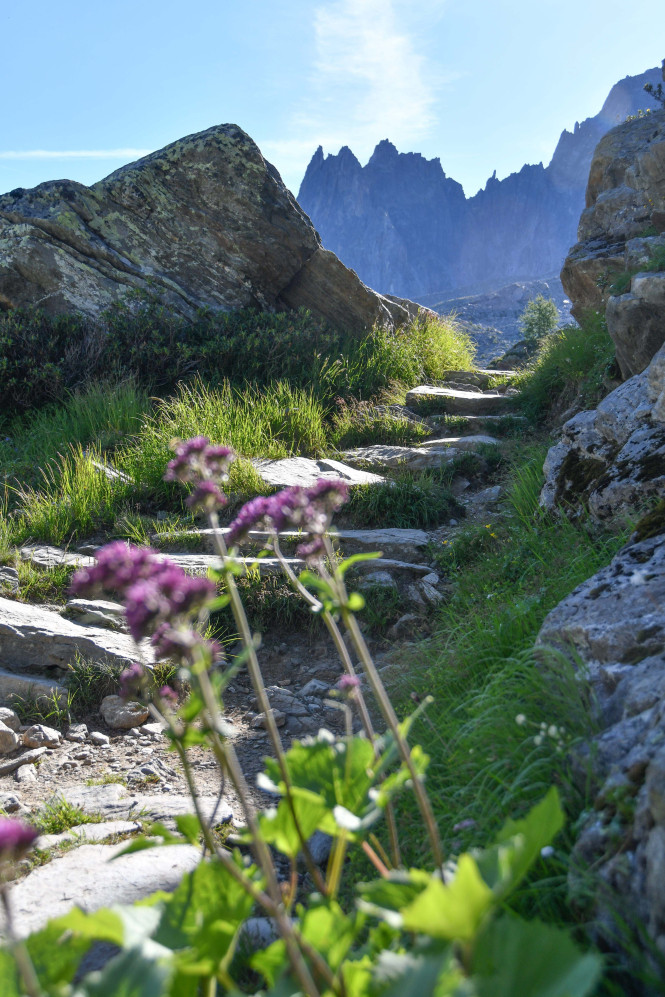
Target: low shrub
572, 366
43, 357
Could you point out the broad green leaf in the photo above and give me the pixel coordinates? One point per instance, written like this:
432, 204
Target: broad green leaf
189, 826
357, 977
330, 931
279, 828
453, 912
131, 974
159, 835
533, 960
122, 925
55, 953
390, 895
519, 843
203, 916
270, 961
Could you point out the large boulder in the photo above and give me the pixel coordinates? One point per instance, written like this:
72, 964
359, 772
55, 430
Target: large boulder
625, 199
611, 460
204, 222
636, 321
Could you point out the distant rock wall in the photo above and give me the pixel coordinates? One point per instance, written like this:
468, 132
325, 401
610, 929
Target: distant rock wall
205, 222
407, 228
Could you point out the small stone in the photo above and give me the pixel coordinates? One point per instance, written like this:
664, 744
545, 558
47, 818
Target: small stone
431, 579
98, 738
9, 579
453, 522
77, 733
155, 729
377, 579
134, 732
431, 595
10, 802
25, 774
260, 719
123, 715
9, 740
315, 687
405, 625
39, 735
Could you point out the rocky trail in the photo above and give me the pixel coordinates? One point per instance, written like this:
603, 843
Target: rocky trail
114, 763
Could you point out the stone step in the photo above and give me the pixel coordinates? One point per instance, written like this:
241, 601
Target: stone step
429, 398
199, 564
431, 454
480, 378
400, 543
36, 639
305, 472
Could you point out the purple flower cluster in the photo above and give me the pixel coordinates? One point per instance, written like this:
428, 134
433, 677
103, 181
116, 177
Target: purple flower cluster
15, 838
306, 509
179, 642
153, 588
198, 459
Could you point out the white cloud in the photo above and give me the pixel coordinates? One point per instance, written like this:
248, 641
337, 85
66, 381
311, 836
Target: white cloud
370, 79
125, 154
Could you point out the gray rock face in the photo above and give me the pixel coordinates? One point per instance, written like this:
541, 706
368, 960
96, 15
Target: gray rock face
433, 453
615, 624
636, 321
407, 228
204, 222
610, 460
625, 198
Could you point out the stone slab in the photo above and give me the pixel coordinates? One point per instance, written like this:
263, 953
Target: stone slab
87, 878
427, 397
36, 638
16, 684
88, 833
51, 557
305, 472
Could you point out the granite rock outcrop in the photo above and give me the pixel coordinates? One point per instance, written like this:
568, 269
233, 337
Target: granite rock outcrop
204, 223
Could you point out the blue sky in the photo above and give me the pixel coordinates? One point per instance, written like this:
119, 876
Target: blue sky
485, 85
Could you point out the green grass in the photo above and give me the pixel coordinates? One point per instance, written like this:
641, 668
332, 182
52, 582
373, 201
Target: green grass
409, 500
58, 815
570, 368
102, 415
481, 670
358, 424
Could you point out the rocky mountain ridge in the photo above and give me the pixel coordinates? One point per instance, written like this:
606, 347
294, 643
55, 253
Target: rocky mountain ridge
407, 228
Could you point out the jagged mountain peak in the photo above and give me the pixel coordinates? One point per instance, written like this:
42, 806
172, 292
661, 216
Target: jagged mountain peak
408, 229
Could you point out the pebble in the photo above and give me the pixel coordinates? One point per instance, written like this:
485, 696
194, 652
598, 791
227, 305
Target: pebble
96, 737
315, 687
26, 774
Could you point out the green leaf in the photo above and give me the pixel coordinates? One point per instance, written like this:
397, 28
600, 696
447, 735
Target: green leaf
533, 960
159, 835
452, 912
131, 974
518, 845
122, 925
55, 954
391, 894
203, 916
190, 827
348, 562
278, 827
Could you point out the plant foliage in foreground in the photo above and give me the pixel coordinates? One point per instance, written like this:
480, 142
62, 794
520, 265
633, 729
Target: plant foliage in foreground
442, 929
